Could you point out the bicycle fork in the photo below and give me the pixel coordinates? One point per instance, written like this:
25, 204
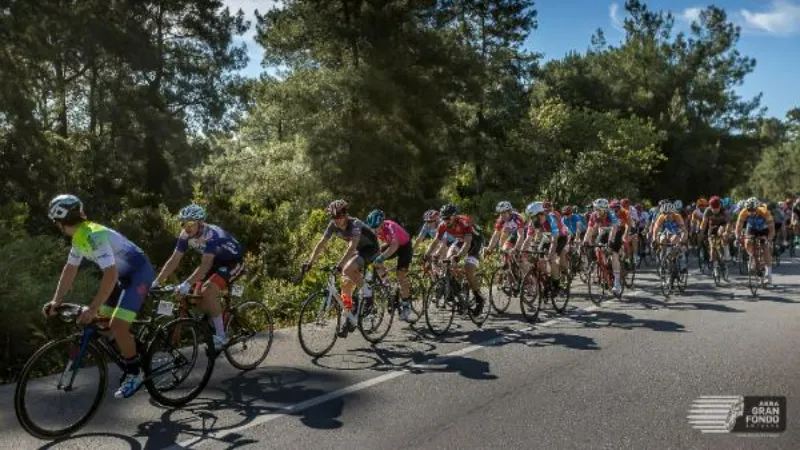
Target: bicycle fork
76, 354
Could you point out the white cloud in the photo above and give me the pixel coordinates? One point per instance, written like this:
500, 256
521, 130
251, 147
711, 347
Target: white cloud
783, 17
691, 14
248, 7
613, 14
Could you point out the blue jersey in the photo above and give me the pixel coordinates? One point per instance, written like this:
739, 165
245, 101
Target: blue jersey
429, 231
572, 222
212, 239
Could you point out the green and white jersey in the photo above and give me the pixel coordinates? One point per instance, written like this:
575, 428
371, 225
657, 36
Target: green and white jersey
105, 247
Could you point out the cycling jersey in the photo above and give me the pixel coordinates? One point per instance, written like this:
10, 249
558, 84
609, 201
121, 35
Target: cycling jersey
511, 226
211, 239
609, 220
624, 217
353, 229
756, 220
552, 225
716, 219
429, 231
459, 227
105, 247
671, 222
391, 231
572, 221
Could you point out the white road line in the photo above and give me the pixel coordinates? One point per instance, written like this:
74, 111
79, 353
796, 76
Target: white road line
293, 409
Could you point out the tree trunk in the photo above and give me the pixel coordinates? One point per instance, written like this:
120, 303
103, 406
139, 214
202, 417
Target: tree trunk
61, 97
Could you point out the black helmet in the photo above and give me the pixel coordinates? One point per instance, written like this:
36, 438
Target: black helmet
448, 211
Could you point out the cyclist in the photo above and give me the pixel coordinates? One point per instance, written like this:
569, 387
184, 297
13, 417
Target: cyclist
398, 244
604, 225
671, 228
759, 224
625, 219
362, 249
468, 244
507, 228
574, 222
428, 231
222, 262
127, 275
716, 222
780, 219
547, 226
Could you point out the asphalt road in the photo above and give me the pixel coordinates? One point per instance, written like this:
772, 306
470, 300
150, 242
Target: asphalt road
620, 376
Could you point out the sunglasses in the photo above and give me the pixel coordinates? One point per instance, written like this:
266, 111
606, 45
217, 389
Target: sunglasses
188, 224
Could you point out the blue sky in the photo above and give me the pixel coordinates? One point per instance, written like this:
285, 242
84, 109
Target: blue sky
770, 33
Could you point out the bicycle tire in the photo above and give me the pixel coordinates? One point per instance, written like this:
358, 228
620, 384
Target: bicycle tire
22, 413
530, 305
629, 274
496, 292
446, 304
593, 274
382, 312
563, 294
240, 331
480, 318
331, 307
418, 291
201, 335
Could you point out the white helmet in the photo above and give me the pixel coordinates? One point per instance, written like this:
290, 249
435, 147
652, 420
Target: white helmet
600, 203
192, 212
64, 205
678, 205
503, 207
534, 208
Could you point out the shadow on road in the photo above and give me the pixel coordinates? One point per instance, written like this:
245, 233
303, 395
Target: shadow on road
123, 441
247, 396
602, 318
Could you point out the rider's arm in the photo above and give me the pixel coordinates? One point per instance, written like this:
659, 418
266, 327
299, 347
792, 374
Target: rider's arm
438, 240
771, 225
494, 240
739, 222
393, 246
202, 270
684, 229
420, 237
318, 249
107, 283
170, 266
465, 247
65, 282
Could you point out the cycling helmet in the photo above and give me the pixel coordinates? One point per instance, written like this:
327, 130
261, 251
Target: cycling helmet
337, 208
547, 205
715, 202
751, 203
702, 202
192, 212
375, 218
726, 202
662, 202
430, 215
600, 203
534, 208
678, 205
449, 210
625, 202
503, 207
65, 208
567, 210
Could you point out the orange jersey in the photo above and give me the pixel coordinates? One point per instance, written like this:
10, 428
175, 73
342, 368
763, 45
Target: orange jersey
672, 222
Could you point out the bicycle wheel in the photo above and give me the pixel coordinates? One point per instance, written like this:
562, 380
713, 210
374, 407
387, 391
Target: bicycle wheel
376, 317
530, 296
501, 289
55, 371
716, 272
479, 317
665, 274
418, 290
628, 273
560, 298
440, 307
754, 278
594, 285
250, 333
176, 349
683, 280
319, 323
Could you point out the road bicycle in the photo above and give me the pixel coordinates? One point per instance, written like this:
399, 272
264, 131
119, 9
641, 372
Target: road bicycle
756, 270
538, 286
78, 364
601, 275
248, 325
671, 273
719, 269
322, 320
505, 282
449, 294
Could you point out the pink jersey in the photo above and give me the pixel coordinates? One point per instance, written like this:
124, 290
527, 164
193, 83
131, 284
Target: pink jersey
392, 231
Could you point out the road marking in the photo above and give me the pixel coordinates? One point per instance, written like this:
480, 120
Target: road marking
293, 409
